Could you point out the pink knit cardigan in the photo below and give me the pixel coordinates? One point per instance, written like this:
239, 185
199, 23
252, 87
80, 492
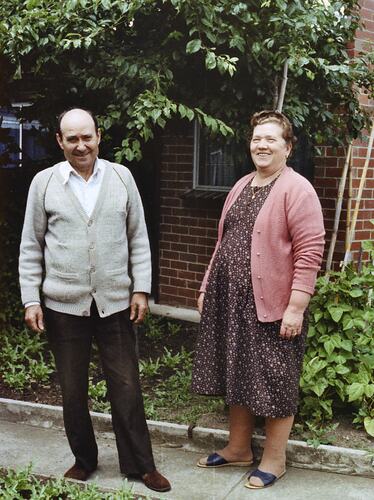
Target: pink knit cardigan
287, 242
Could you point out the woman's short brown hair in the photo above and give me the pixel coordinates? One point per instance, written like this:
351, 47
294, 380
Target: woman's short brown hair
271, 116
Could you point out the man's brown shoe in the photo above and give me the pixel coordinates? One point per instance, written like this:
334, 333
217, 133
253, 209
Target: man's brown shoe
77, 472
156, 481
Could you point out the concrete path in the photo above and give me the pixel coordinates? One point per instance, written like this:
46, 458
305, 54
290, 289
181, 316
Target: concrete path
48, 451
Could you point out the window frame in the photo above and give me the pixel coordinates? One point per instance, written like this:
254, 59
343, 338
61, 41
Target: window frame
196, 165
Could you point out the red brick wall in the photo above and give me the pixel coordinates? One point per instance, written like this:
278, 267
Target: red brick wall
188, 233
330, 164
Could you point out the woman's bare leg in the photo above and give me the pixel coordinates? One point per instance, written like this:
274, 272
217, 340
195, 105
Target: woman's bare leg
274, 455
241, 428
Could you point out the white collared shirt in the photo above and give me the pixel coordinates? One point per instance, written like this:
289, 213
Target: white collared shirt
85, 191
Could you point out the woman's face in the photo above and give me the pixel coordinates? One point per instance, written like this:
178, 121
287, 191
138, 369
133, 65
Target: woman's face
269, 150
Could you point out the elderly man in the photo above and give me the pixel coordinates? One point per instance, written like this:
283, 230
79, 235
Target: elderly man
84, 233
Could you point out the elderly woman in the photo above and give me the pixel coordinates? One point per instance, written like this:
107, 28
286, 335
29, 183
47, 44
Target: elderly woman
253, 300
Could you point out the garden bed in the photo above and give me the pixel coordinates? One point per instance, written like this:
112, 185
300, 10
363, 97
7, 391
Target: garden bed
165, 353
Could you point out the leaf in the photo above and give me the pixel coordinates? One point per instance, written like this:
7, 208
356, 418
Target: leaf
342, 370
319, 387
369, 390
210, 60
355, 391
369, 425
368, 245
193, 46
182, 110
326, 405
336, 312
317, 364
359, 323
317, 316
356, 292
155, 114
190, 114
347, 345
348, 323
321, 327
329, 346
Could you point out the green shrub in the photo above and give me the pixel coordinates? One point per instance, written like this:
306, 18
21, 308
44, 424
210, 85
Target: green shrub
339, 361
153, 328
23, 360
156, 327
98, 396
17, 485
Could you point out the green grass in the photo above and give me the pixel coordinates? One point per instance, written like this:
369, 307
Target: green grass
17, 485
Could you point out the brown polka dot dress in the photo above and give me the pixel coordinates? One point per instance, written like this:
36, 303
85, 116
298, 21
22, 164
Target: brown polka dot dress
237, 356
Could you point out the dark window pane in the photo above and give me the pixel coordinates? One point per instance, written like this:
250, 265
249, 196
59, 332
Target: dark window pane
221, 162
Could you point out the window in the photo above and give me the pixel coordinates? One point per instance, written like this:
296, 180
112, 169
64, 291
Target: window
19, 141
218, 163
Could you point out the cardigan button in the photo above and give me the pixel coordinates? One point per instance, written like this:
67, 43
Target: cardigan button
259, 277
262, 298
265, 315
258, 253
85, 313
258, 231
90, 222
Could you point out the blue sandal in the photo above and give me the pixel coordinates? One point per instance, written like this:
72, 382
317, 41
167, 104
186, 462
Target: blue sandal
215, 460
266, 477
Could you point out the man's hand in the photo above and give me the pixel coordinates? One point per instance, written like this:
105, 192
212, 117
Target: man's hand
34, 318
200, 302
138, 307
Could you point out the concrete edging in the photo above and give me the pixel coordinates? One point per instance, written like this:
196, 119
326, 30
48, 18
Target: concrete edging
180, 313
299, 454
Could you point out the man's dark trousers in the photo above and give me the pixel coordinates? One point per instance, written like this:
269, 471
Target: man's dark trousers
71, 339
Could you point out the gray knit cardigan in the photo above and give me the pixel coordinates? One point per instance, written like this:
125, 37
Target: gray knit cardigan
104, 256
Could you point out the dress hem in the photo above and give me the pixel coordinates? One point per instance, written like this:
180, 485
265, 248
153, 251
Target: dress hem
228, 403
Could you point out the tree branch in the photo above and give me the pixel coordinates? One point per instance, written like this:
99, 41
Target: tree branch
282, 91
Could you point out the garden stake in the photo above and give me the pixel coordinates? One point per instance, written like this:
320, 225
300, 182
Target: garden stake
338, 209
359, 196
349, 205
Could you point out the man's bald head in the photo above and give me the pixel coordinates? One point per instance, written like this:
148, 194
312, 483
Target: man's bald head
79, 138
75, 113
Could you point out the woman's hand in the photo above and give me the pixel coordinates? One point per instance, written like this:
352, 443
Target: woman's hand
294, 315
200, 302
291, 323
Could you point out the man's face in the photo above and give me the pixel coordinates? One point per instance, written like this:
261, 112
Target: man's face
79, 139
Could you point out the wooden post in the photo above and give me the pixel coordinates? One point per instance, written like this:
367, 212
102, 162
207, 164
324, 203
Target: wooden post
338, 208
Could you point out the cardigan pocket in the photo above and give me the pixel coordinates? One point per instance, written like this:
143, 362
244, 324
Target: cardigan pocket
119, 278
64, 276
114, 272
63, 287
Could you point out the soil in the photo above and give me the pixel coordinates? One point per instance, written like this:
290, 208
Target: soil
344, 434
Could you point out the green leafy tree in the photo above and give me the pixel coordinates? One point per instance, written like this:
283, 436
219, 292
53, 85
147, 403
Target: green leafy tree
141, 63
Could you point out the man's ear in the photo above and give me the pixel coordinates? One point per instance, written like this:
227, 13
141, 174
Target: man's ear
99, 135
59, 140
